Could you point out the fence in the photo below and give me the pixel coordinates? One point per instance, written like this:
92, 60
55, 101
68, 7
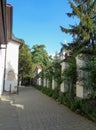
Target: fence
72, 76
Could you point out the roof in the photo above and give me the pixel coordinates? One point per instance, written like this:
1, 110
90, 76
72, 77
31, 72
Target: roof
15, 39
6, 13
38, 67
3, 27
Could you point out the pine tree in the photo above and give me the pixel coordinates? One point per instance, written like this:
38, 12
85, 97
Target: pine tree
84, 34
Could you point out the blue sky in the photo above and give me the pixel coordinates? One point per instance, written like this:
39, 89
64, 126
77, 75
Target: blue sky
39, 21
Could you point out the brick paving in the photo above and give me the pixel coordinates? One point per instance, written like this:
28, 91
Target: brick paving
36, 111
8, 117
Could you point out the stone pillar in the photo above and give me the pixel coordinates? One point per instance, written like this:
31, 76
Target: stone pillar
54, 84
39, 81
64, 84
84, 65
47, 83
44, 82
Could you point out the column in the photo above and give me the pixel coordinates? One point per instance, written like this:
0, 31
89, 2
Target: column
64, 84
84, 65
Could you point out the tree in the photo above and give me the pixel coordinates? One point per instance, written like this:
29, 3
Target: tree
56, 58
40, 56
70, 74
84, 33
25, 62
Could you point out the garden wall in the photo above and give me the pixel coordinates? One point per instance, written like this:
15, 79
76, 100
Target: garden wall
72, 75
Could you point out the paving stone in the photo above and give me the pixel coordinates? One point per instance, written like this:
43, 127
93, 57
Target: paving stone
33, 110
43, 113
8, 117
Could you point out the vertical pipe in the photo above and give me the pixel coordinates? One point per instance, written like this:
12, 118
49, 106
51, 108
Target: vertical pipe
3, 9
4, 68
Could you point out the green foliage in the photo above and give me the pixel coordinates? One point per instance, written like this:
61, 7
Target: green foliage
53, 71
70, 74
25, 61
49, 75
47, 91
84, 107
40, 56
56, 93
93, 74
57, 74
94, 94
84, 33
70, 71
87, 70
56, 58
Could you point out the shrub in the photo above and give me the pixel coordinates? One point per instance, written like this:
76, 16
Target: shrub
85, 107
55, 93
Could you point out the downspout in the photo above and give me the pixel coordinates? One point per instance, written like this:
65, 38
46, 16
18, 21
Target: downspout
3, 8
4, 68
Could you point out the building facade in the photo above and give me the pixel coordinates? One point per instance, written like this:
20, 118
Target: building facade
9, 54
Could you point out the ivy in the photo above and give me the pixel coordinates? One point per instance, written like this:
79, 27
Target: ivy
70, 74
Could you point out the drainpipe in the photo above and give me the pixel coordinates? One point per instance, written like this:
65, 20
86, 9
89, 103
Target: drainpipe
4, 68
4, 45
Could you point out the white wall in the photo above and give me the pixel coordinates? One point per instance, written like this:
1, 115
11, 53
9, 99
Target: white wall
2, 58
11, 77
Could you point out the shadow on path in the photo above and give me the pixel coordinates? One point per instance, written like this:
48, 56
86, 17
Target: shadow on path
8, 117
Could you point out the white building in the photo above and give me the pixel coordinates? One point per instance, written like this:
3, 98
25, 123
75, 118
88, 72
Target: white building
38, 80
64, 53
9, 54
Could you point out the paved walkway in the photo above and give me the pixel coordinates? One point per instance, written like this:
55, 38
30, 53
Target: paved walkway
32, 110
8, 117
